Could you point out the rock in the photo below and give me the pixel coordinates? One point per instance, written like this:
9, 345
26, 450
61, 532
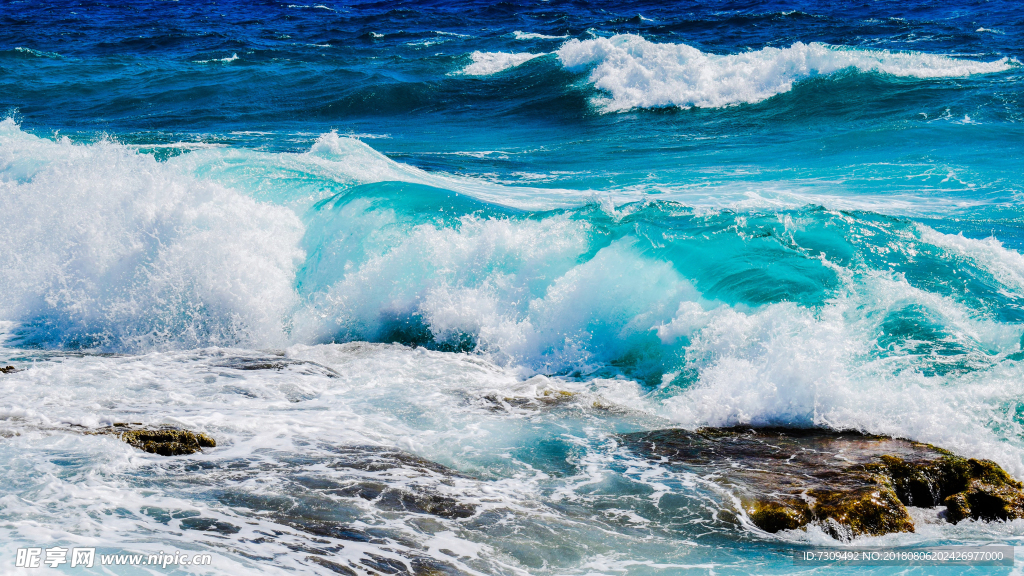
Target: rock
162, 441
847, 483
397, 499
989, 493
332, 566
8, 370
410, 498
277, 364
209, 525
540, 400
377, 564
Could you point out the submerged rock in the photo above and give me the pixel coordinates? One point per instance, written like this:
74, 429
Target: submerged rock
396, 499
162, 441
538, 400
848, 483
382, 464
277, 364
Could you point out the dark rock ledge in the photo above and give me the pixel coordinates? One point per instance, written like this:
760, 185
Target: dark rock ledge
162, 441
848, 483
165, 440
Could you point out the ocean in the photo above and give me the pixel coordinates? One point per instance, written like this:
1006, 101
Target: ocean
416, 266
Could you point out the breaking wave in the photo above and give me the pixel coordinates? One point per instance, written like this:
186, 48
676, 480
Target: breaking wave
637, 73
487, 63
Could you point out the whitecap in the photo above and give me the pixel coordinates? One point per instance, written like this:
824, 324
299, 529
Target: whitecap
227, 60
535, 36
487, 63
37, 53
637, 73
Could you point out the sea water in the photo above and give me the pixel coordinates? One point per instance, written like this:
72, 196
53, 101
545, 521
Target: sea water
494, 236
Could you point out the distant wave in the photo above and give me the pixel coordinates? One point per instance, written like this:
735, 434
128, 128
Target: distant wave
36, 53
637, 73
227, 60
535, 36
487, 63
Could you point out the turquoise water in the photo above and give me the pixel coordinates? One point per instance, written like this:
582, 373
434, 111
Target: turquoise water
436, 217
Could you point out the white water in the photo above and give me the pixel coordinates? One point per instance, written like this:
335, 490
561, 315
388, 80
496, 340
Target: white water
487, 63
641, 74
192, 264
637, 73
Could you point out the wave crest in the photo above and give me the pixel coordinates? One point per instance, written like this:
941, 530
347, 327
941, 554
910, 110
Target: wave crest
637, 73
487, 63
105, 247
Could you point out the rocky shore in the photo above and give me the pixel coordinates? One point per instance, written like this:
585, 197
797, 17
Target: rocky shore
162, 441
847, 483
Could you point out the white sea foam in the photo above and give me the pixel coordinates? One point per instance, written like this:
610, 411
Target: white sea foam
227, 60
476, 279
637, 73
264, 417
37, 53
1006, 266
787, 365
487, 63
110, 244
535, 36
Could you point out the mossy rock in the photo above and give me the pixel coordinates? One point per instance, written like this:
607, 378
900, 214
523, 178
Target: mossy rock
968, 487
847, 483
872, 510
162, 441
773, 516
983, 501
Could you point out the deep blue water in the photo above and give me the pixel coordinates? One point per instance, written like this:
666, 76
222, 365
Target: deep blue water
785, 213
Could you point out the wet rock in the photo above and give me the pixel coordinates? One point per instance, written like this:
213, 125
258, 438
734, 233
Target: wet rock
332, 566
425, 566
545, 398
162, 441
326, 528
381, 459
847, 483
989, 493
209, 525
411, 498
397, 499
383, 564
276, 364
377, 564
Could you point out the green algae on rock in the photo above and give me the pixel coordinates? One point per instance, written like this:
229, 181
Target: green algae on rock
162, 441
847, 483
